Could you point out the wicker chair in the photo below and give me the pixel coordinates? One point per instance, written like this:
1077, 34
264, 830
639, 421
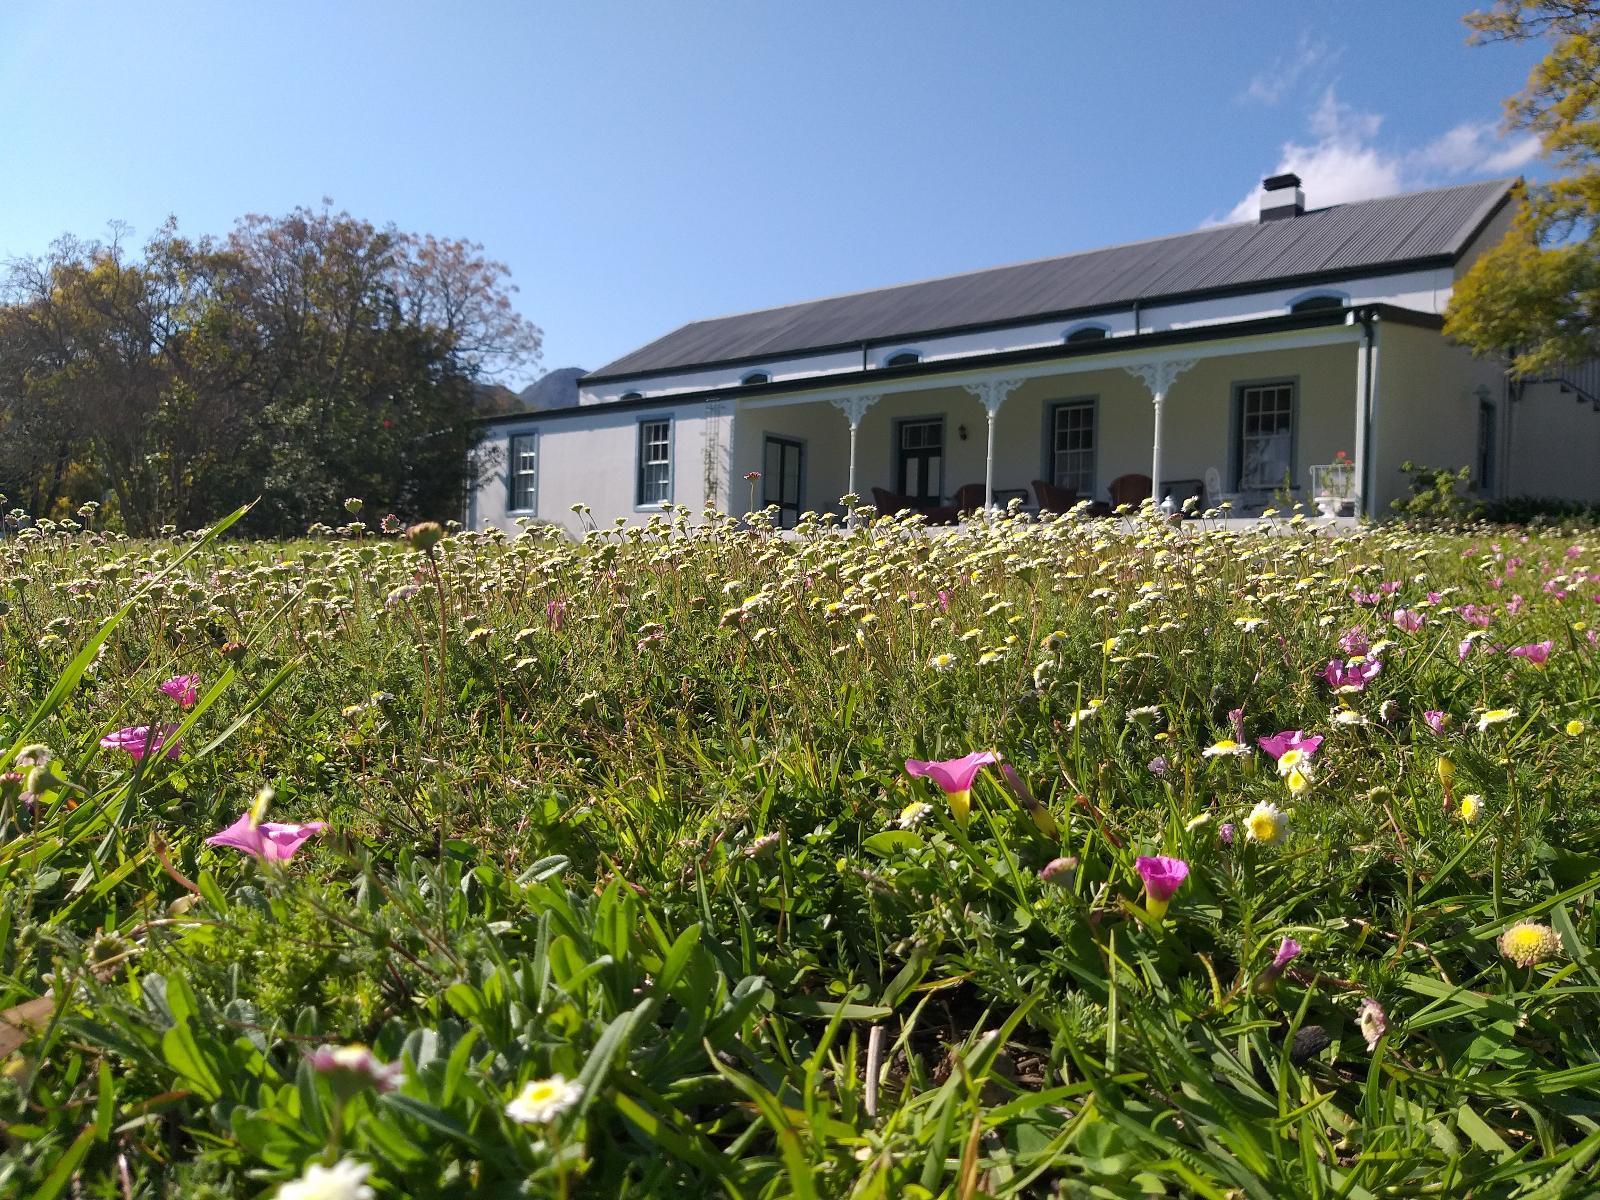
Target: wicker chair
1129, 489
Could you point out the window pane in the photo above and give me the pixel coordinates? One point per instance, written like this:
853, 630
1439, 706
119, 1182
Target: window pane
1266, 435
655, 462
1073, 465
522, 472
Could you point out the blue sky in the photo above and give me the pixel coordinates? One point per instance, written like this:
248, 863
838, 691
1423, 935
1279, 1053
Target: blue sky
639, 165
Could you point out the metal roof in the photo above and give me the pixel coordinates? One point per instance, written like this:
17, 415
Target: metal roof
1382, 234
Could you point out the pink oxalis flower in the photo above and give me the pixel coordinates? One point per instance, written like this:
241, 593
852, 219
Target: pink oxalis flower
1352, 676
1288, 948
1290, 739
954, 777
1354, 641
1534, 652
271, 841
140, 740
185, 689
1162, 877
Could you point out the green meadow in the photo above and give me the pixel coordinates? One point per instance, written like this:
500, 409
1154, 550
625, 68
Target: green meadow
457, 865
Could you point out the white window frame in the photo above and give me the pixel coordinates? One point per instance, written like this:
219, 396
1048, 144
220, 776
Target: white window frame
516, 472
647, 443
1053, 454
1243, 393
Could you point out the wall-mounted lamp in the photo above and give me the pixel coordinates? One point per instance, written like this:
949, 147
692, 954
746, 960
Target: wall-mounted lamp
961, 432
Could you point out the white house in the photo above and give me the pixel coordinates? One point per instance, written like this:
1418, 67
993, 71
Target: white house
1227, 361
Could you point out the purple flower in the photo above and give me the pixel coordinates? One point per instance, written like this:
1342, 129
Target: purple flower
1225, 833
954, 777
1059, 871
1354, 642
139, 740
271, 841
1436, 720
1158, 765
1236, 719
185, 689
1290, 739
1162, 877
1288, 948
1408, 619
1361, 597
1352, 676
555, 614
351, 1068
1473, 615
1534, 652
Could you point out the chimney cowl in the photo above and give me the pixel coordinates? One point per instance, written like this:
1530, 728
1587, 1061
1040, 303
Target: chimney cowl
1281, 197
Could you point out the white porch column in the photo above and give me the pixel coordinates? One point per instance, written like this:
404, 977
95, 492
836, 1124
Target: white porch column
1365, 352
854, 408
1158, 375
992, 393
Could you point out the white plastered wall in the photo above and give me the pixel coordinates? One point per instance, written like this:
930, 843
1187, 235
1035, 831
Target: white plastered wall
592, 459
1555, 445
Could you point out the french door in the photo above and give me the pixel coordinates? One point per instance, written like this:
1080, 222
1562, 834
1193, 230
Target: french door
782, 472
920, 460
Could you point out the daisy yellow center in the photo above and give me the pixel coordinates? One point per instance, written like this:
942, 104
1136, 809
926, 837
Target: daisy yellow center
1263, 826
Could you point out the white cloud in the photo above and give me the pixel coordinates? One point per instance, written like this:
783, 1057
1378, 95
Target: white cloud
1285, 74
1345, 160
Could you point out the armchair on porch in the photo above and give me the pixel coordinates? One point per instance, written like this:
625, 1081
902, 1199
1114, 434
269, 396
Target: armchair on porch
969, 496
888, 503
1052, 498
1129, 489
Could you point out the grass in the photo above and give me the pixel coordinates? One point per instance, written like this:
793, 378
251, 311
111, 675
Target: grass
636, 813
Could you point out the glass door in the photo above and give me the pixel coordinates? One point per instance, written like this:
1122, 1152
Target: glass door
782, 470
920, 461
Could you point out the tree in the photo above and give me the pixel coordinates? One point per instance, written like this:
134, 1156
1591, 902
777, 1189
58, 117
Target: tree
1536, 296
303, 359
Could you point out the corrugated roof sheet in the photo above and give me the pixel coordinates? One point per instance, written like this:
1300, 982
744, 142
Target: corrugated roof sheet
1382, 233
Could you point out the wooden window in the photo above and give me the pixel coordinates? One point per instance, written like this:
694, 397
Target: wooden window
522, 473
655, 461
1265, 451
1072, 446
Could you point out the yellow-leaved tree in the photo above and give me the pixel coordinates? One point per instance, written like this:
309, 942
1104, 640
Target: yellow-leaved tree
1535, 297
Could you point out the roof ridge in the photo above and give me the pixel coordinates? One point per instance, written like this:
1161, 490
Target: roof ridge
1380, 232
